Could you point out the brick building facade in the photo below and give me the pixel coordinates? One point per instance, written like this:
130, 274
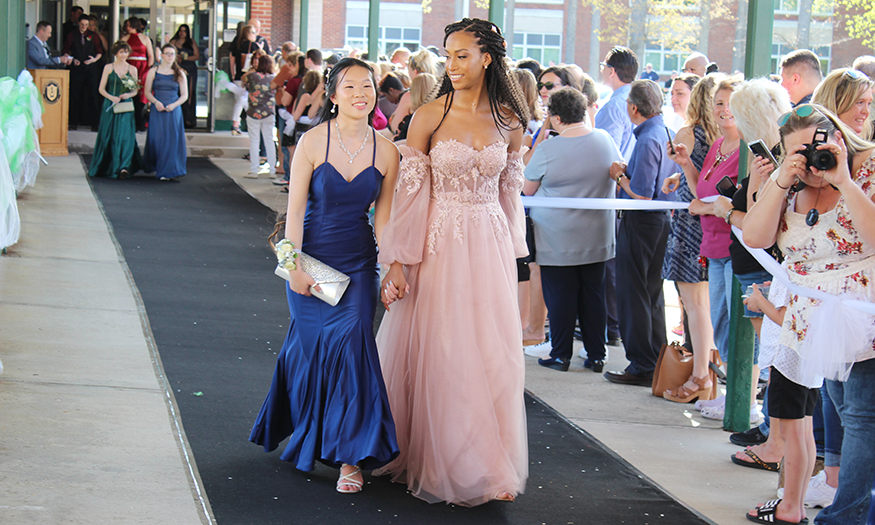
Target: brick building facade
541, 30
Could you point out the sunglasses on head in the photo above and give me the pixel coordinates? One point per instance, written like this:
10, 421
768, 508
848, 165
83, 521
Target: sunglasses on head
805, 110
548, 85
855, 75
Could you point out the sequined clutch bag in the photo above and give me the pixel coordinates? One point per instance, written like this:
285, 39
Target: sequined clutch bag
332, 282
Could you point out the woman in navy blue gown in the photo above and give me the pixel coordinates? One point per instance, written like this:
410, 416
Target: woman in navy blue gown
328, 392
167, 89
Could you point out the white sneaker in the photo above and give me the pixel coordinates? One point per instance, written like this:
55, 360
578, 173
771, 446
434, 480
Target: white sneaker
756, 414
714, 412
251, 175
717, 401
540, 350
819, 494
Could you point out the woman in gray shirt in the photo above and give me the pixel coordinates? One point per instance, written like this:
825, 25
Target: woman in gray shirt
571, 246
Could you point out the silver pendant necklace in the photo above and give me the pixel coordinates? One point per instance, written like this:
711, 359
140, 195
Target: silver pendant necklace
351, 156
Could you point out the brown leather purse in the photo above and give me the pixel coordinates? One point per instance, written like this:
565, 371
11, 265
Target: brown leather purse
675, 366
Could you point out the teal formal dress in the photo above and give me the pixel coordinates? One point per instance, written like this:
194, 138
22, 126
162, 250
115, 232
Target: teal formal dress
116, 146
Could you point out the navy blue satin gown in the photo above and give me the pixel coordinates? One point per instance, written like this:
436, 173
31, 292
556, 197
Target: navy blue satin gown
328, 392
165, 143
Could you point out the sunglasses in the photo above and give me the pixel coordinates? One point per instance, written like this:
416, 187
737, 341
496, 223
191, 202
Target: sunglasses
548, 85
855, 75
603, 65
805, 110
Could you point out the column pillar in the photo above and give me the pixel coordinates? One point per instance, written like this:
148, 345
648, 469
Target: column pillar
373, 30
12, 58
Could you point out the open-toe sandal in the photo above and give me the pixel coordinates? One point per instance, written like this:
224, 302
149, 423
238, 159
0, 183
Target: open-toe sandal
346, 484
765, 513
755, 462
685, 395
505, 496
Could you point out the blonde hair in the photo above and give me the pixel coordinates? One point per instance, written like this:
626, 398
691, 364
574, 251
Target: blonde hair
700, 111
403, 77
529, 87
825, 119
839, 91
385, 68
423, 62
421, 90
756, 106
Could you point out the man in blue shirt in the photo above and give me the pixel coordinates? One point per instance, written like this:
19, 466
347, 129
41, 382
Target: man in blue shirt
617, 71
642, 237
38, 55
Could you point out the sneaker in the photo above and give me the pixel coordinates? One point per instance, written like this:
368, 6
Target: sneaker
714, 412
717, 401
541, 350
756, 414
818, 494
280, 182
251, 175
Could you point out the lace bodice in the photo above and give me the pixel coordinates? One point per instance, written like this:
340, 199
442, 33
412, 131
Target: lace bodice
451, 189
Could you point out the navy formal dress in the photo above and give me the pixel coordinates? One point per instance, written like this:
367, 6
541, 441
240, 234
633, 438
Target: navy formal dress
328, 392
165, 144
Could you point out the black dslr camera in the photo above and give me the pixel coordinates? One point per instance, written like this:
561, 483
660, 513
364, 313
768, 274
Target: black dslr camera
822, 159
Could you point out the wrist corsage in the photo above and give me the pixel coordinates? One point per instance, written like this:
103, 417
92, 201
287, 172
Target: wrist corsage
286, 254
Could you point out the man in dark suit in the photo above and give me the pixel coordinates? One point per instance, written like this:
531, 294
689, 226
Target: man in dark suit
38, 54
86, 50
71, 25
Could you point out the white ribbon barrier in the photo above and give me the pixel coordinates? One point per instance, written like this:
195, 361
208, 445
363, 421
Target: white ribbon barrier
602, 204
840, 328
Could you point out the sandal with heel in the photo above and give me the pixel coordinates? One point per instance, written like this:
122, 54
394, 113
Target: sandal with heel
685, 395
347, 480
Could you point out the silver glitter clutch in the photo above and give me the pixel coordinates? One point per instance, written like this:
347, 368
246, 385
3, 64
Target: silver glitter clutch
332, 282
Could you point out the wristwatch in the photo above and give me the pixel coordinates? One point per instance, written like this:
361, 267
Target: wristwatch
619, 177
728, 215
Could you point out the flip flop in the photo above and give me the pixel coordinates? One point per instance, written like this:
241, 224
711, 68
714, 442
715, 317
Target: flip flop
757, 462
766, 514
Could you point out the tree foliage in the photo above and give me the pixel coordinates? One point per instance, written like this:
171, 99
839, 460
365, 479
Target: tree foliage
859, 19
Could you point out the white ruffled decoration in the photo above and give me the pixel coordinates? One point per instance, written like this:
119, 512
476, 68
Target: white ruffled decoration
10, 222
837, 333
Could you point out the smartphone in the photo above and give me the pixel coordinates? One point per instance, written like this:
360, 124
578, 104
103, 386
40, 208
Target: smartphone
670, 143
758, 148
552, 133
726, 187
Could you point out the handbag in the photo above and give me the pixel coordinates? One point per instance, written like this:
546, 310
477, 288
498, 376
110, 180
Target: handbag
332, 282
675, 366
123, 107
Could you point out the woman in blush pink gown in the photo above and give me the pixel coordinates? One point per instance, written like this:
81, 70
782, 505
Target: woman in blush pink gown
450, 347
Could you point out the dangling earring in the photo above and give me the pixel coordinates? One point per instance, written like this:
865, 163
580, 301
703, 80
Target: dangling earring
334, 108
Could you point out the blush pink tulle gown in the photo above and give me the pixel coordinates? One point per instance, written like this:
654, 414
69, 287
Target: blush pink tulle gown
451, 350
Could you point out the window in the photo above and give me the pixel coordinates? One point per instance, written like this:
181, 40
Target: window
787, 6
543, 47
664, 60
781, 50
389, 39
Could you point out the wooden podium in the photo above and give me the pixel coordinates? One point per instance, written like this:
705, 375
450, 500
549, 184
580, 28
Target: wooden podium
54, 88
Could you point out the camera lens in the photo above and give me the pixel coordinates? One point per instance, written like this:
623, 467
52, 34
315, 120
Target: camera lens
823, 160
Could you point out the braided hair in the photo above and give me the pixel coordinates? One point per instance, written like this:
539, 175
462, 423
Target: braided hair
501, 86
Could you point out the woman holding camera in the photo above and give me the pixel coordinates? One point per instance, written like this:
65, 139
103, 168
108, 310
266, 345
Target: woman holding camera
826, 230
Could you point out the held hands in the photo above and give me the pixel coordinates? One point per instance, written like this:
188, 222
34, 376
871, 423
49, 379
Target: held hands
300, 282
394, 286
671, 184
754, 303
160, 107
681, 156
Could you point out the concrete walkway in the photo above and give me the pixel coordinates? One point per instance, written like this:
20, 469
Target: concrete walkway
89, 432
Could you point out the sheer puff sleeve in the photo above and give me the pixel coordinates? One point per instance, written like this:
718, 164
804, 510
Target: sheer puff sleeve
510, 188
404, 236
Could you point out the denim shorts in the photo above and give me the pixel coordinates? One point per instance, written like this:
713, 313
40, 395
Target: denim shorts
747, 279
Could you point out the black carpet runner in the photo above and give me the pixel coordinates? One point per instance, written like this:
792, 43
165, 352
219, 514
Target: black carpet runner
197, 250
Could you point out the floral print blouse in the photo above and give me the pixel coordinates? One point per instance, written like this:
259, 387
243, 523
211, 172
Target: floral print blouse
261, 97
